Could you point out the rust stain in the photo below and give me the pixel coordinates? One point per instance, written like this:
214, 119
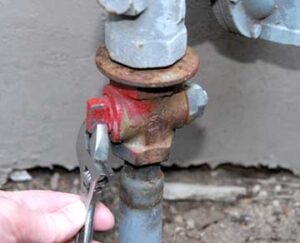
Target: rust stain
178, 73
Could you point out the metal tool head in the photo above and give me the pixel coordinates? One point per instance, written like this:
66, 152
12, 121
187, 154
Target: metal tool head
92, 151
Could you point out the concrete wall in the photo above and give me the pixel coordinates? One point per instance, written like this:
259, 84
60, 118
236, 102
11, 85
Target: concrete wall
47, 72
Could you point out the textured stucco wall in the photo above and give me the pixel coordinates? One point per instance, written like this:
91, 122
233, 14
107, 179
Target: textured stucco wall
47, 72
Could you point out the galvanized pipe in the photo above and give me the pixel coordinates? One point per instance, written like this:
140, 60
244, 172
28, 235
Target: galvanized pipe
141, 213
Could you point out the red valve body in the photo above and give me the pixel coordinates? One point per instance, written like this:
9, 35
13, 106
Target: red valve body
141, 124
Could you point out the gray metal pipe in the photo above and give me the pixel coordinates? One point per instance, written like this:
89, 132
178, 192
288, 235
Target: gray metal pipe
141, 190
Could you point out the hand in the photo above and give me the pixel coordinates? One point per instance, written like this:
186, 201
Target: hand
46, 217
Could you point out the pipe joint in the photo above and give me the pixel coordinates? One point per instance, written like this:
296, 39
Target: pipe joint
141, 188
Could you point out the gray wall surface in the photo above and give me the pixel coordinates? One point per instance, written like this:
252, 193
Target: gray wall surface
47, 72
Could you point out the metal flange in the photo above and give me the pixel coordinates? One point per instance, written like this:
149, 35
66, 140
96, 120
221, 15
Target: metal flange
183, 70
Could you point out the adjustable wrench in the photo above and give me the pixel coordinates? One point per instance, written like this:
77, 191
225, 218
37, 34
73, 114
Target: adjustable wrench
95, 171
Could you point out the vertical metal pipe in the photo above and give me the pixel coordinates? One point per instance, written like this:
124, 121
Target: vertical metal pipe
141, 190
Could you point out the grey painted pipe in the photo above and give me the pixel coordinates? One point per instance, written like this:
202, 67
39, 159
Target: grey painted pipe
141, 204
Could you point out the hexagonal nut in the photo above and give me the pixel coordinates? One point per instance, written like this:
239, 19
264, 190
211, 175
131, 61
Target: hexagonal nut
144, 52
142, 42
138, 153
198, 99
124, 7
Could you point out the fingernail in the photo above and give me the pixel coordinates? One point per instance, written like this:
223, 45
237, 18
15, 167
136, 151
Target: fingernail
76, 212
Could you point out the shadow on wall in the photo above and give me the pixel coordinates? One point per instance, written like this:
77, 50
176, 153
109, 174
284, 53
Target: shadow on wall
203, 26
190, 145
191, 141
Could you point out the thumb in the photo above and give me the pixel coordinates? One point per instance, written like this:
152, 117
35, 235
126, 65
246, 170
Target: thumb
58, 226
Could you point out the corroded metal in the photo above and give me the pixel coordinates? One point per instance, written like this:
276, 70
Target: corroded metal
141, 129
142, 108
147, 136
141, 195
141, 124
178, 73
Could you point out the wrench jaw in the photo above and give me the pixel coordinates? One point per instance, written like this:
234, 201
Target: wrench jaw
95, 172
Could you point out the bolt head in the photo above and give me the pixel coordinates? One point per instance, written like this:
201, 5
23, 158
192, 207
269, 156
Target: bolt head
198, 99
126, 7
